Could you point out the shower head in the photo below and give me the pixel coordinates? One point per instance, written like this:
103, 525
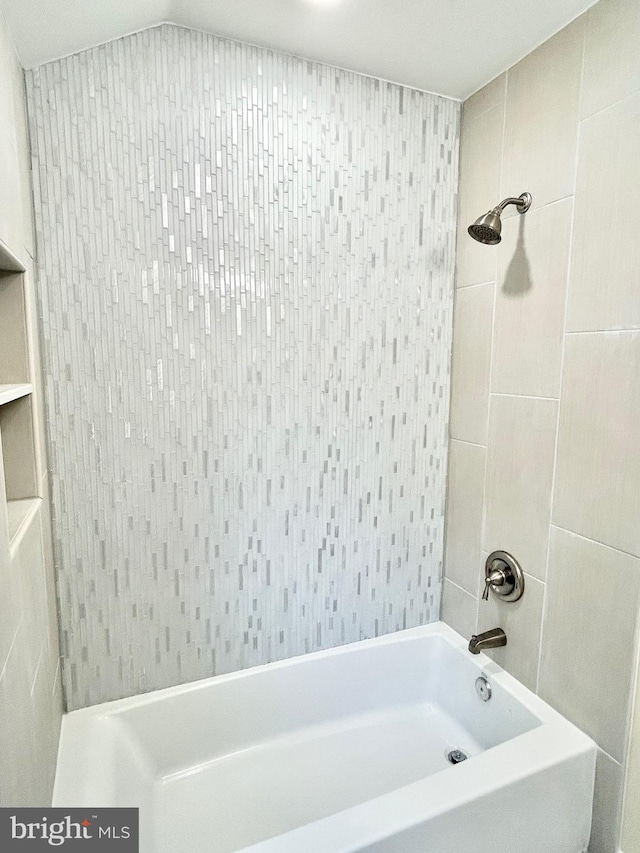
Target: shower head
487, 228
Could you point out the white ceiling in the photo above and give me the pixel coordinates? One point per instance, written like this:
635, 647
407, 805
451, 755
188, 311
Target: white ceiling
451, 47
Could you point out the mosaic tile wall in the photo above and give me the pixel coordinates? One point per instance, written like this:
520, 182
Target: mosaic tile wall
246, 269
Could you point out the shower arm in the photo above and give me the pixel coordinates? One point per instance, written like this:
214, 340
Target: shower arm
523, 203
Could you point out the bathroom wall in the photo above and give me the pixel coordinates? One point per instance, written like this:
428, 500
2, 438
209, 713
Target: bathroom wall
30, 687
631, 813
246, 275
545, 411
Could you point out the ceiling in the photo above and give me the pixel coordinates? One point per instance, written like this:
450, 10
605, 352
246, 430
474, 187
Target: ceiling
452, 47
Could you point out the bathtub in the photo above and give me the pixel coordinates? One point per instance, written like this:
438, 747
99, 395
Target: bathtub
339, 751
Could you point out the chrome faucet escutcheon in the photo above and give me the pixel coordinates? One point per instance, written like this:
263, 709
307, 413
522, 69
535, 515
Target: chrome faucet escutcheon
503, 576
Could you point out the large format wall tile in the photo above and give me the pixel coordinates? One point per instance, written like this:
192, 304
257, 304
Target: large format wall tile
246, 269
522, 623
588, 651
464, 514
530, 301
612, 58
605, 258
607, 801
540, 136
571, 129
471, 362
30, 707
459, 609
598, 468
480, 156
17, 744
522, 434
631, 832
10, 584
491, 95
16, 217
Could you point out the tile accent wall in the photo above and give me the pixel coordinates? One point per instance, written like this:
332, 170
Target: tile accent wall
545, 415
246, 271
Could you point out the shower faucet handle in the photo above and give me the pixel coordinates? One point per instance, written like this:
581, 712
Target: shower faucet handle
496, 578
503, 576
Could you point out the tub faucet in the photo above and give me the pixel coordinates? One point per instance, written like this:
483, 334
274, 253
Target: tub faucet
487, 640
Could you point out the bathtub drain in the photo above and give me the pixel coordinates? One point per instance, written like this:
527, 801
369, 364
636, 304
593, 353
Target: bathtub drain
456, 756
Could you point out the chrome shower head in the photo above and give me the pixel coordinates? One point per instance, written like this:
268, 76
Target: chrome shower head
487, 228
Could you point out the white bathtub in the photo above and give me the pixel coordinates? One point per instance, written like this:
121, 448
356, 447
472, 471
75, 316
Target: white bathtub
337, 752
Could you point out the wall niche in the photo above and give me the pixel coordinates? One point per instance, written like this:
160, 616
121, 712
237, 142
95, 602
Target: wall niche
19, 491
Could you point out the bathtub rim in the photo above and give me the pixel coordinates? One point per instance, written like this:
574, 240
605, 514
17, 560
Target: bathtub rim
483, 663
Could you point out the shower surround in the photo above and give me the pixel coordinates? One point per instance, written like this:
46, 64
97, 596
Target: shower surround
246, 274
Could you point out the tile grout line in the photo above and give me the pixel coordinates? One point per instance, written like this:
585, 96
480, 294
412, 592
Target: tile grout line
477, 91
475, 284
525, 396
11, 647
595, 541
464, 441
36, 674
513, 217
617, 103
449, 439
461, 588
625, 331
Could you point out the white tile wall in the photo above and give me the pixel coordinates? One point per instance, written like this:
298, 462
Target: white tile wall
246, 281
598, 474
604, 268
564, 356
541, 117
471, 363
30, 688
464, 513
612, 59
531, 295
518, 479
522, 623
584, 647
476, 264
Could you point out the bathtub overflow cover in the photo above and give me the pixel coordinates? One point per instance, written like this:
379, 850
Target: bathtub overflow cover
456, 756
483, 688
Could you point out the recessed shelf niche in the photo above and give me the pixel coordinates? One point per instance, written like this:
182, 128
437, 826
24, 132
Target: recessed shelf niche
14, 352
17, 438
16, 434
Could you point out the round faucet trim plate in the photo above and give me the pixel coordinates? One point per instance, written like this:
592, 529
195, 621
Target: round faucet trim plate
503, 576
